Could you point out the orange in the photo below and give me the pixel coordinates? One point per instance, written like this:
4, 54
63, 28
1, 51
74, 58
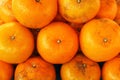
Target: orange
100, 39
34, 13
111, 69
6, 71
35, 69
78, 11
6, 13
16, 43
108, 9
57, 43
117, 17
80, 68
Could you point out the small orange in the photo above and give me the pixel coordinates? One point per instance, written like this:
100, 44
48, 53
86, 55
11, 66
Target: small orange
6, 13
111, 69
34, 13
100, 39
35, 69
80, 68
78, 11
16, 42
57, 43
108, 9
6, 71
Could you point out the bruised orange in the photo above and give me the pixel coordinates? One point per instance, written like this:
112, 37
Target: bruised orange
100, 39
57, 43
34, 13
16, 43
35, 69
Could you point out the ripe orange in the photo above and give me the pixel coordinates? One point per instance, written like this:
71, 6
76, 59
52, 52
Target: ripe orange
16, 42
100, 39
80, 68
111, 69
78, 11
57, 43
34, 13
6, 13
6, 71
108, 9
35, 69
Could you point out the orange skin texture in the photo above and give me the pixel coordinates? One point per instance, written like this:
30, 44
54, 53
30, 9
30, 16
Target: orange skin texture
80, 68
1, 21
108, 9
102, 36
6, 13
54, 42
35, 69
6, 71
111, 69
78, 12
117, 18
38, 15
16, 43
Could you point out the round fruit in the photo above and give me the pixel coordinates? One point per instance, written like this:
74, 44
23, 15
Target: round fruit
6, 71
57, 43
34, 13
111, 69
100, 39
78, 11
80, 68
35, 69
108, 9
6, 13
16, 42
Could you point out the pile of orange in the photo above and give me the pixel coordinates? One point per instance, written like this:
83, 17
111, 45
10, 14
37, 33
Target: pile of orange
82, 37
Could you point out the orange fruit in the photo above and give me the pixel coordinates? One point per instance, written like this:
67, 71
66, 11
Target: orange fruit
16, 42
111, 69
100, 39
57, 43
35, 69
6, 71
108, 9
80, 68
34, 13
117, 17
6, 13
78, 11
